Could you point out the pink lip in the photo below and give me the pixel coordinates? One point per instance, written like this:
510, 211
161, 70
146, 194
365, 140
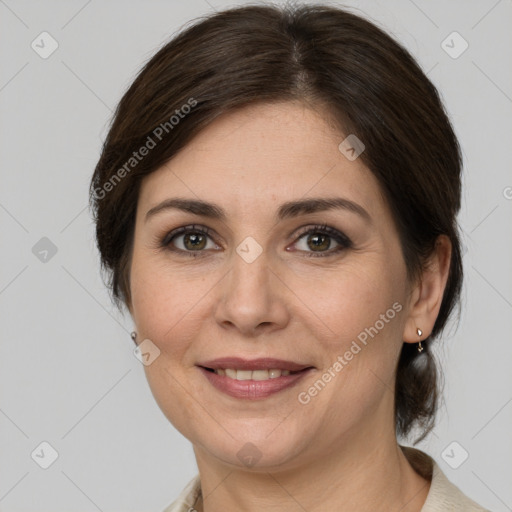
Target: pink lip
262, 363
252, 389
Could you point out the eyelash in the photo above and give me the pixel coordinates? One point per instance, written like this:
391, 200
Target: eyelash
343, 241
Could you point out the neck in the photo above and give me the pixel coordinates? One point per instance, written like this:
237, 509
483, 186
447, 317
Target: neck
363, 472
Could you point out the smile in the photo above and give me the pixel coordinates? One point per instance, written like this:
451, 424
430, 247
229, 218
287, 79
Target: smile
253, 379
252, 375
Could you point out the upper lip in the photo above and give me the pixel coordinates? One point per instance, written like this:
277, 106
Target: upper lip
264, 363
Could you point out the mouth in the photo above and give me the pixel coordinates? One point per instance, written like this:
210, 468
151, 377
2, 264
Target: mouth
253, 379
231, 373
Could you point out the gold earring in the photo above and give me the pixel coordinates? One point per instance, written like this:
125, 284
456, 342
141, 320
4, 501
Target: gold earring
419, 332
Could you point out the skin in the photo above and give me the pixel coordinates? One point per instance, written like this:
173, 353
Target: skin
341, 445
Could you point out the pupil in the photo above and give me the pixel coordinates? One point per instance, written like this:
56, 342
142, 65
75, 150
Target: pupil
318, 241
196, 241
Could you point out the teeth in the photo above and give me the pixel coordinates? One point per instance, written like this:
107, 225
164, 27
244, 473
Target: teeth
260, 375
229, 373
243, 375
252, 375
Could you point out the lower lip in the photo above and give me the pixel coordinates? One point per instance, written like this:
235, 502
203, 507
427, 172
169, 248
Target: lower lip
252, 389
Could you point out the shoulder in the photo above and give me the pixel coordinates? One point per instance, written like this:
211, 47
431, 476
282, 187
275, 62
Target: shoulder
187, 498
443, 494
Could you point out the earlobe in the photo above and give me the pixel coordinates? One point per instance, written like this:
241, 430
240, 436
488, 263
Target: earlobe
428, 293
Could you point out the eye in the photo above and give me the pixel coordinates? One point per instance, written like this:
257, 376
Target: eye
317, 241
314, 241
189, 239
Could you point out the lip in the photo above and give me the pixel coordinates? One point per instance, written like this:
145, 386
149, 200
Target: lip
253, 389
262, 363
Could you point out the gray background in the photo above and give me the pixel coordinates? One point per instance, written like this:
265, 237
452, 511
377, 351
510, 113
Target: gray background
67, 372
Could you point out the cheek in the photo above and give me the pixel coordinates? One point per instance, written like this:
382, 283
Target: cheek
364, 310
164, 312
163, 298
359, 299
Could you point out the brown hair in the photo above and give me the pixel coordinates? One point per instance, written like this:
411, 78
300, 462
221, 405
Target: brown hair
324, 56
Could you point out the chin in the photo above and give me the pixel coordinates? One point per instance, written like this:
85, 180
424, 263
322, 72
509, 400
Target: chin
256, 446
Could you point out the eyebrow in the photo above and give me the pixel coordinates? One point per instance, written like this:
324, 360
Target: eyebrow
287, 210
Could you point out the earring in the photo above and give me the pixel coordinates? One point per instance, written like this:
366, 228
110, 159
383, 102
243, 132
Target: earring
419, 332
133, 336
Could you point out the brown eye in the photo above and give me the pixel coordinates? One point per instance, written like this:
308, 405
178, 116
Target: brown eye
194, 241
189, 239
319, 240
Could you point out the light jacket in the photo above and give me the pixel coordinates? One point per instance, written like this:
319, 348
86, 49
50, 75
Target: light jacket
443, 496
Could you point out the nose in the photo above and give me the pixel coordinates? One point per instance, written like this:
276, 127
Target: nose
252, 298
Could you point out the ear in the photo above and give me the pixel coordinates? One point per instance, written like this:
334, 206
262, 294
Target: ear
427, 294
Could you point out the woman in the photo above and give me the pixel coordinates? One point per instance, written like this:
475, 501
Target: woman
276, 205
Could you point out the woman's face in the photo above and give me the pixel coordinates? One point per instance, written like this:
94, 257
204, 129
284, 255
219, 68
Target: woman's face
256, 276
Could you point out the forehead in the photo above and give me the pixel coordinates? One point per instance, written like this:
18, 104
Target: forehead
263, 154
